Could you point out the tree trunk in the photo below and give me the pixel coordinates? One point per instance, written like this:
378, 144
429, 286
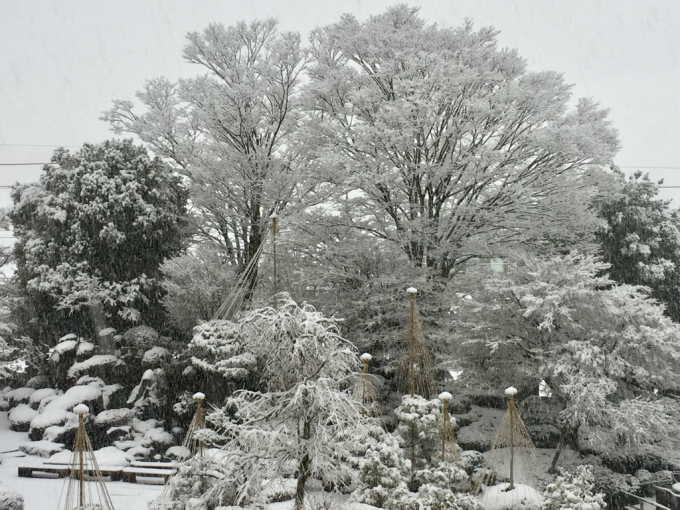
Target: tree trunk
568, 437
303, 468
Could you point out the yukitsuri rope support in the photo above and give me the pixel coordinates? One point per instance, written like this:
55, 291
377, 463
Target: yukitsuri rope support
364, 391
416, 367
80, 495
197, 423
512, 446
450, 450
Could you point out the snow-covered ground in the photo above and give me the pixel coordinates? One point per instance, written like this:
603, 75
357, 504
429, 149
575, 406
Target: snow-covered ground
44, 493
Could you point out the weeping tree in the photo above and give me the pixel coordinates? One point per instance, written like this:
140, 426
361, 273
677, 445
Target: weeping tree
445, 145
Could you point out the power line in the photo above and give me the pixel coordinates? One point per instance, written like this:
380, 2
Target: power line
33, 145
23, 164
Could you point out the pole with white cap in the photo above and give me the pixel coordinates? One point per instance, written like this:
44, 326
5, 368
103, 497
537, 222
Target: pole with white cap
411, 291
275, 230
198, 398
366, 359
511, 392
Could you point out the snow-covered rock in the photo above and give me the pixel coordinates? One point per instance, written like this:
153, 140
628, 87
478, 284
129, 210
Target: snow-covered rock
49, 418
156, 357
19, 396
38, 395
97, 364
113, 418
521, 497
10, 499
20, 417
41, 448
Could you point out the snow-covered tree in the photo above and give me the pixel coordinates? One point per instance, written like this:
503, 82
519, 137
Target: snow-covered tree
299, 419
604, 349
641, 241
93, 231
445, 145
228, 131
573, 491
195, 284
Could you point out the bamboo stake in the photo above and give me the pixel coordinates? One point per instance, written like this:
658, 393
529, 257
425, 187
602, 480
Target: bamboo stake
198, 398
511, 392
275, 230
366, 359
411, 339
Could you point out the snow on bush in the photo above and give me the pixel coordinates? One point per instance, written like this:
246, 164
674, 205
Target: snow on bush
39, 395
159, 436
41, 448
10, 500
114, 418
155, 357
420, 425
573, 491
76, 395
98, 360
19, 396
521, 497
382, 471
48, 418
20, 417
62, 347
84, 350
178, 452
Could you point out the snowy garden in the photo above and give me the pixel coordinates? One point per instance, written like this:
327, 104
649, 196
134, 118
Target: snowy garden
392, 268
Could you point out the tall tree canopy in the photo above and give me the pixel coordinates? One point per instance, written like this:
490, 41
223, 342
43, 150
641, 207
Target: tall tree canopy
93, 232
641, 241
445, 144
229, 132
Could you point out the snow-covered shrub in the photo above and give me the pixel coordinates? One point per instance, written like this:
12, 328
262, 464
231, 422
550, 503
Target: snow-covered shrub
49, 418
382, 471
419, 427
43, 449
435, 497
20, 417
19, 396
444, 475
37, 396
99, 365
10, 500
156, 357
113, 418
223, 363
612, 484
573, 491
194, 479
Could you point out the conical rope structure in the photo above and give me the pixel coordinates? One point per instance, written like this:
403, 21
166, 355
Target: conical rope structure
85, 487
192, 446
416, 375
450, 450
364, 391
513, 455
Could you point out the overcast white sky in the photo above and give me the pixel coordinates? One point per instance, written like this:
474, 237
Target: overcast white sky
63, 61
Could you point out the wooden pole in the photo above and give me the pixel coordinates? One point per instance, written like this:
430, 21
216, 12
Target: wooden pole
445, 397
511, 392
274, 218
198, 398
411, 339
81, 447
